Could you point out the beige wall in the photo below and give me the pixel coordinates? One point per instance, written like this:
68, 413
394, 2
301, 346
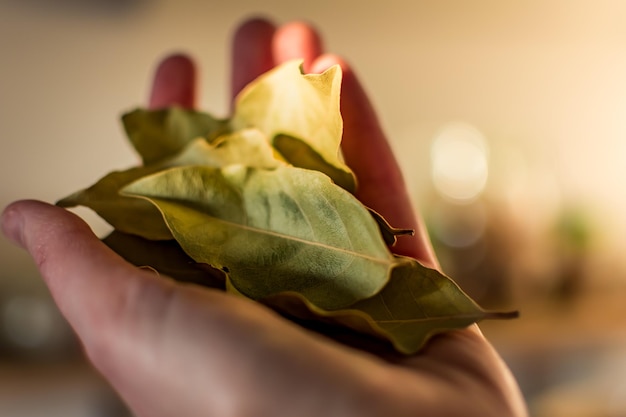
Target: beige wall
545, 82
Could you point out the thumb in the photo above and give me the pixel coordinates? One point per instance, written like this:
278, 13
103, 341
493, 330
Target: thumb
118, 311
91, 285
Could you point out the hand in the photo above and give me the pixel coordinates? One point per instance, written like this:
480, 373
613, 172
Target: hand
179, 350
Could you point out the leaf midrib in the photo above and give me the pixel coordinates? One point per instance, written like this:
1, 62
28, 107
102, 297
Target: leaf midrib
389, 261
466, 316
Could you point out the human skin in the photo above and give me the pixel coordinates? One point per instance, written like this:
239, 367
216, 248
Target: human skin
172, 349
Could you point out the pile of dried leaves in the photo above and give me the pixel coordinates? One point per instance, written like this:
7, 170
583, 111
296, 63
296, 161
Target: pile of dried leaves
265, 198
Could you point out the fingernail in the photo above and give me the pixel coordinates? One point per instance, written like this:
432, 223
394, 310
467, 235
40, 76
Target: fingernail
11, 222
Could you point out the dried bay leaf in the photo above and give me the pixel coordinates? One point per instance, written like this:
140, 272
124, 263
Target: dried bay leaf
249, 147
165, 257
420, 302
126, 214
139, 217
158, 134
416, 304
300, 154
284, 101
286, 229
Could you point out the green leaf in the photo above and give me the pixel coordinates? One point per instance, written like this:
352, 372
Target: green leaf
139, 217
298, 153
286, 229
416, 304
166, 258
249, 147
300, 114
126, 214
158, 134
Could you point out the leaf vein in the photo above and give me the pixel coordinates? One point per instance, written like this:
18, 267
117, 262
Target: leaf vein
386, 261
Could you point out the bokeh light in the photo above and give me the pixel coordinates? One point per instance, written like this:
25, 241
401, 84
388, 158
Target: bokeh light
459, 157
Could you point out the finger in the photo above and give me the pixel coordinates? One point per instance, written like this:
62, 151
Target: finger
91, 285
367, 152
297, 40
115, 309
252, 52
174, 83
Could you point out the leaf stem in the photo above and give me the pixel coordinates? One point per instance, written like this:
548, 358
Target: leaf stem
501, 315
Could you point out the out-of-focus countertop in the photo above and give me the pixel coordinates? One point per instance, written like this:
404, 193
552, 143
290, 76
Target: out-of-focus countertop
569, 357
597, 319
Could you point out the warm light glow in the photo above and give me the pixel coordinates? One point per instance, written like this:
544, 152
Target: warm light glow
459, 157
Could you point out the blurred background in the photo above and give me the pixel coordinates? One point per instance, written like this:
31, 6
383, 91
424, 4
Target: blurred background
508, 118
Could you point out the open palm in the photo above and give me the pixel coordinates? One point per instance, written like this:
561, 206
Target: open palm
179, 350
